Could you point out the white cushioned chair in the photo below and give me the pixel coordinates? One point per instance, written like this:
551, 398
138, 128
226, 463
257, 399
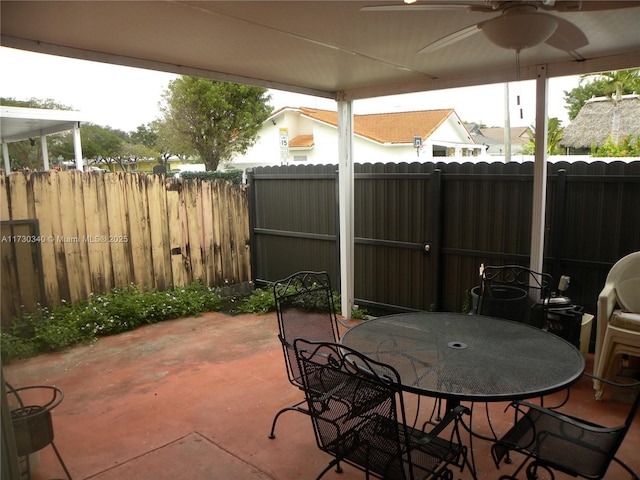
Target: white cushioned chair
618, 318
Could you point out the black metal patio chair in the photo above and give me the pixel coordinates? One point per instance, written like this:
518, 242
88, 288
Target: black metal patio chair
32, 422
305, 309
357, 411
510, 291
553, 441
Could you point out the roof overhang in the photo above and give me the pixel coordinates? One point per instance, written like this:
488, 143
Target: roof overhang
331, 49
19, 123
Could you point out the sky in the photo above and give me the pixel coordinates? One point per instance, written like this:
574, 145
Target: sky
124, 97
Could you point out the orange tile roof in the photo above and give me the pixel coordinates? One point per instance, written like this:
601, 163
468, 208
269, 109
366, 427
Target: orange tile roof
301, 141
399, 127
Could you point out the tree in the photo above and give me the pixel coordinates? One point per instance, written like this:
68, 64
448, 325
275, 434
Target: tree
554, 135
620, 82
615, 84
145, 135
170, 143
131, 153
216, 119
611, 84
99, 144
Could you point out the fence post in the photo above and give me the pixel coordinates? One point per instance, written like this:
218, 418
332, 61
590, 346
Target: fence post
559, 223
435, 220
251, 197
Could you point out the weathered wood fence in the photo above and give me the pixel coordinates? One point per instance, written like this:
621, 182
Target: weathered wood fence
67, 234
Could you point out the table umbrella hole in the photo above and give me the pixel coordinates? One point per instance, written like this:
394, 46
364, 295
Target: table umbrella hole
457, 345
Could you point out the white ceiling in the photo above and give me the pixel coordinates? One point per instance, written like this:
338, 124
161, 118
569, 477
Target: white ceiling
315, 47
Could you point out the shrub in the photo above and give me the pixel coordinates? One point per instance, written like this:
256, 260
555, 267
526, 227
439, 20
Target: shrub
260, 301
626, 147
234, 176
120, 310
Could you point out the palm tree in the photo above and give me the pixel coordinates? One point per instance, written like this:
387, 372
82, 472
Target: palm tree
598, 85
615, 84
554, 135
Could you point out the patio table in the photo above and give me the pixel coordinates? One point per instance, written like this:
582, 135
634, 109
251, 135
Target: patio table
475, 358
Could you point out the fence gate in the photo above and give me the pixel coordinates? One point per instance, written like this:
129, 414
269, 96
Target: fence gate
398, 238
294, 217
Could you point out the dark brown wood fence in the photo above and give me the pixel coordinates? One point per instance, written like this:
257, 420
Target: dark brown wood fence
67, 234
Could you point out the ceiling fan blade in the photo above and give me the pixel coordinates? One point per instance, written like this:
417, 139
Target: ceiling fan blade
451, 38
411, 8
493, 5
587, 6
567, 36
429, 6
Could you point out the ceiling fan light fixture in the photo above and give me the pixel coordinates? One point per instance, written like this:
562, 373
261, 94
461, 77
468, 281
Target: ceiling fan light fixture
519, 30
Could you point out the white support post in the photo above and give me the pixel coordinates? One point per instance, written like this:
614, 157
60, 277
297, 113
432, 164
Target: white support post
77, 146
5, 155
345, 180
539, 173
45, 153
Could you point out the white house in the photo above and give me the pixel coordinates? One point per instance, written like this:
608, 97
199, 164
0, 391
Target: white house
293, 136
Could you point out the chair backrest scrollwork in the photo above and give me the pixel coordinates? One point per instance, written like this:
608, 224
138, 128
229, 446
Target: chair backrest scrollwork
305, 309
509, 291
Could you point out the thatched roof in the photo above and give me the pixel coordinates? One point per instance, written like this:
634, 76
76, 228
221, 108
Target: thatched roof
595, 121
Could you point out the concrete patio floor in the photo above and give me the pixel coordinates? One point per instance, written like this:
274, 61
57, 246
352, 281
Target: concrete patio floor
194, 399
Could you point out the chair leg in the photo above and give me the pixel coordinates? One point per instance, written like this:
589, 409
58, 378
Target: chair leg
60, 460
505, 456
445, 474
470, 464
333, 462
295, 407
634, 475
532, 471
27, 463
435, 411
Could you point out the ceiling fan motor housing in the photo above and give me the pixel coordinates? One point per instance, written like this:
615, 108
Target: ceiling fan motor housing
519, 28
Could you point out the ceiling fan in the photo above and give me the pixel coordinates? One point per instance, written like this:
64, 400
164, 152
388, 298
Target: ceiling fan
520, 24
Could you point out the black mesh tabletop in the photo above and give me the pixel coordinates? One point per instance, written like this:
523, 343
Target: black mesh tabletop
468, 357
